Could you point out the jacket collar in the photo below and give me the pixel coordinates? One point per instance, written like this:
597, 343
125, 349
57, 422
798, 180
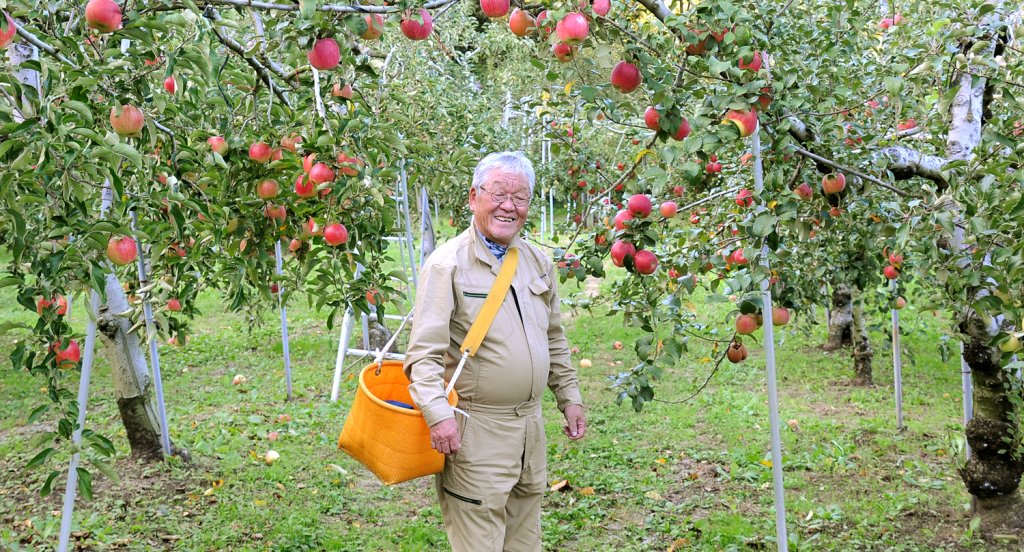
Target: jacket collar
483, 253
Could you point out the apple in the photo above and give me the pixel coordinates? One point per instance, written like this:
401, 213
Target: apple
891, 272
885, 23
572, 29
585, 363
494, 8
907, 125
803, 191
780, 316
626, 77
668, 209
617, 345
833, 183
1011, 345
260, 152
621, 218
8, 31
897, 19
273, 436
239, 379
602, 7
746, 324
66, 356
271, 456
895, 259
291, 142
348, 166
304, 186
620, 250
267, 189
284, 418
745, 121
320, 173
417, 30
652, 118
335, 234
745, 198
737, 352
738, 258
374, 26
563, 52
217, 145
295, 245
645, 261
678, 190
121, 250
275, 212
174, 305
521, 23
899, 303
713, 166
754, 65
274, 288
339, 91
127, 120
325, 54
683, 131
543, 23
170, 85
103, 15
639, 205
694, 219
60, 301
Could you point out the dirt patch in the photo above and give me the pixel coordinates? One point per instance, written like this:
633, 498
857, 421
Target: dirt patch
23, 431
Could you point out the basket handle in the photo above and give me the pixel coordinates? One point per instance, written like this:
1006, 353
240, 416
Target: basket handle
379, 360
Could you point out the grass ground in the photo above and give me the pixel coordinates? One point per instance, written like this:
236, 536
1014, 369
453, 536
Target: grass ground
678, 476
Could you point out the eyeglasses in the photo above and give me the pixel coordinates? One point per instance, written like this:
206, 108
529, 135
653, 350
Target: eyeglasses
498, 199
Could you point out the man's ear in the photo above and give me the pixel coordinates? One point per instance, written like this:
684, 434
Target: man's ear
472, 199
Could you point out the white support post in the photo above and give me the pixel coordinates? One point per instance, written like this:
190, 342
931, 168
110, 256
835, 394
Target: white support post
769, 348
68, 509
339, 363
897, 364
551, 210
284, 321
151, 333
404, 183
967, 389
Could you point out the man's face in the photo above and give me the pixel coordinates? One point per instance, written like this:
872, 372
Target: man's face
500, 222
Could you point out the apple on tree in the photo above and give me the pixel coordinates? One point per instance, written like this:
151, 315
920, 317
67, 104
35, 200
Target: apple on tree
745, 120
620, 250
833, 183
374, 26
563, 52
626, 77
324, 55
260, 152
494, 8
737, 352
414, 29
127, 120
66, 356
217, 145
8, 30
645, 262
745, 198
170, 85
780, 315
668, 209
121, 250
267, 189
103, 15
304, 186
60, 301
803, 191
174, 304
335, 234
601, 7
572, 29
713, 166
754, 65
639, 205
746, 324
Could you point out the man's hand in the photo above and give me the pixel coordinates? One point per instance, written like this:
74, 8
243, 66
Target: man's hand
444, 436
575, 422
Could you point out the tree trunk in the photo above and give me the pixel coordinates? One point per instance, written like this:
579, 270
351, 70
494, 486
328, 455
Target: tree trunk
840, 323
427, 240
862, 353
133, 387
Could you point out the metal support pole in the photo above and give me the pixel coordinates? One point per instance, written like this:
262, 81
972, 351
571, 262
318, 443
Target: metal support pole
284, 321
151, 333
551, 210
68, 509
769, 349
339, 363
408, 223
967, 388
897, 365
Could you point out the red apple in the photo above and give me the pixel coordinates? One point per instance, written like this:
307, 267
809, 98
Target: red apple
713, 166
374, 26
617, 345
745, 121
127, 120
803, 191
121, 250
103, 15
780, 316
8, 30
573, 28
348, 166
895, 259
678, 190
335, 234
494, 8
639, 205
907, 125
291, 142
668, 209
217, 144
897, 19
745, 198
885, 23
305, 187
621, 218
260, 152
645, 262
521, 23
321, 173
899, 303
651, 118
563, 52
267, 189
61, 302
891, 272
325, 54
170, 85
620, 250
275, 212
626, 77
746, 324
66, 356
174, 305
738, 258
417, 29
737, 352
602, 7
833, 183
694, 219
683, 131
754, 65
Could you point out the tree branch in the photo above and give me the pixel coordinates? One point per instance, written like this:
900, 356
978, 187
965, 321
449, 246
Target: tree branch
824, 161
233, 45
906, 163
272, 6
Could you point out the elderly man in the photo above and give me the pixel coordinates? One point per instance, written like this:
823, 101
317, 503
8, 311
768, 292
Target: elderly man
495, 470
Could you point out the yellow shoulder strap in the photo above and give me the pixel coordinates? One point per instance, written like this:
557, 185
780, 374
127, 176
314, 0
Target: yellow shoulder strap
493, 302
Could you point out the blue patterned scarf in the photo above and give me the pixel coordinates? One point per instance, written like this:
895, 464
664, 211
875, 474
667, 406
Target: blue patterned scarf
496, 248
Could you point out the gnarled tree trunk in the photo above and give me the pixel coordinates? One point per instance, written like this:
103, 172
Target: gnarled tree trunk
840, 323
862, 353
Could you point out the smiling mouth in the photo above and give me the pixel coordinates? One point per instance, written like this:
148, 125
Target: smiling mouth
505, 219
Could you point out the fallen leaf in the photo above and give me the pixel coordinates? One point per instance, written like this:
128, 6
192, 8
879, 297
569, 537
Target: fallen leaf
766, 463
678, 544
587, 491
561, 486
661, 460
653, 495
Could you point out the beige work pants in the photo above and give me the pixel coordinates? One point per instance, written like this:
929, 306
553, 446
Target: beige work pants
490, 491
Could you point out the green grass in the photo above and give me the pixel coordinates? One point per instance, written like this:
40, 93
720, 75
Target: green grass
693, 475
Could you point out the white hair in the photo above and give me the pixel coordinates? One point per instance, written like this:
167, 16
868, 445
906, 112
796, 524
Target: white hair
509, 161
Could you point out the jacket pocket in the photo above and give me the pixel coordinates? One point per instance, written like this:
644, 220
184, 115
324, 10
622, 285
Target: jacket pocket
540, 290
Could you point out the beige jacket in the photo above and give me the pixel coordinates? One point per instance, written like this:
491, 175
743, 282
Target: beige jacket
518, 357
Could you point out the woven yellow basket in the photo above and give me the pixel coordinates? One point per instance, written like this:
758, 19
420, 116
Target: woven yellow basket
391, 440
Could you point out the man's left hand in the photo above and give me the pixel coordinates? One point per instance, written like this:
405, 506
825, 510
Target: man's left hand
576, 422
